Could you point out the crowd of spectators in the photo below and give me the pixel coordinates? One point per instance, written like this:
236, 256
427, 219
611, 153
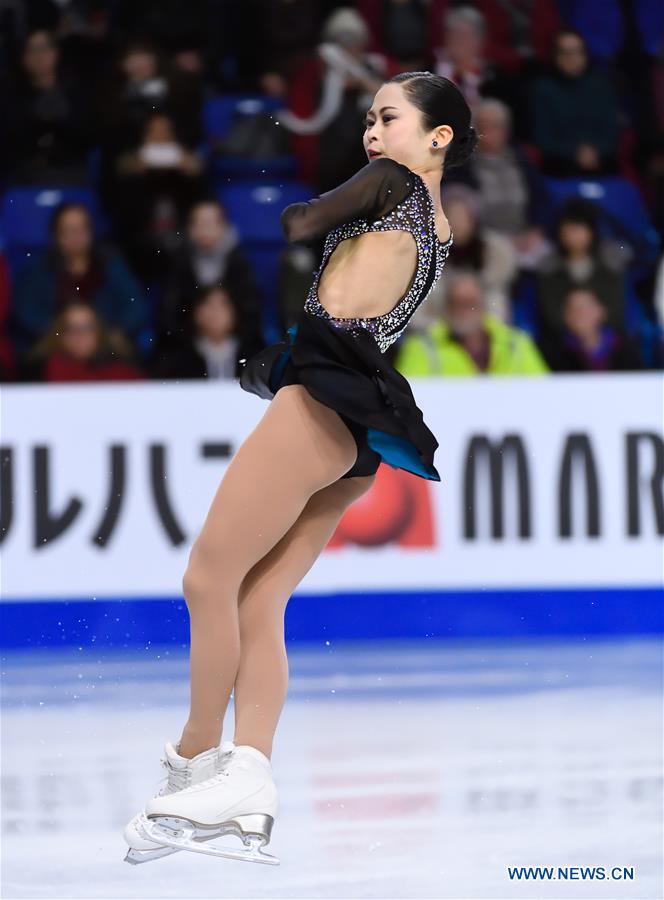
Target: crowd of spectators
150, 276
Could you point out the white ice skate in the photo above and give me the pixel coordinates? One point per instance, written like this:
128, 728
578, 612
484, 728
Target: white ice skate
240, 801
182, 773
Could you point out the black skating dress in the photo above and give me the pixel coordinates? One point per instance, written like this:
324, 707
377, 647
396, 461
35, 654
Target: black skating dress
340, 361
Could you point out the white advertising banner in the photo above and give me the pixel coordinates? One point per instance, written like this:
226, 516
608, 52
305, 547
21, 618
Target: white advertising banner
553, 481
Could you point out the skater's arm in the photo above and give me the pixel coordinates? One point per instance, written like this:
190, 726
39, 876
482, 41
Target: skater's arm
370, 193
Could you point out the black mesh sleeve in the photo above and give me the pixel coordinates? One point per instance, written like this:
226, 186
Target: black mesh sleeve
372, 192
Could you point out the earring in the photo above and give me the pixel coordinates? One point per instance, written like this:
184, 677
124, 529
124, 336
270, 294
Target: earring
435, 143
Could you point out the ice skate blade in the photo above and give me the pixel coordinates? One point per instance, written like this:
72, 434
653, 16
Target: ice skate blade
136, 857
253, 830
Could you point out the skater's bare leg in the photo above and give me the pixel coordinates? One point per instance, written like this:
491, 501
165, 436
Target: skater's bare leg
299, 447
262, 680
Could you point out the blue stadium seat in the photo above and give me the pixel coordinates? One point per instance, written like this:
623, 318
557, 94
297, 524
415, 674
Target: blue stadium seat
602, 24
26, 212
264, 261
625, 214
219, 112
650, 336
224, 167
524, 304
254, 207
25, 215
650, 22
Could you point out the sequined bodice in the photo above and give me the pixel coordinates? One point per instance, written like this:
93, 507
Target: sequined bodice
415, 214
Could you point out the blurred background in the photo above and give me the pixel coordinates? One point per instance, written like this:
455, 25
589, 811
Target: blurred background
476, 665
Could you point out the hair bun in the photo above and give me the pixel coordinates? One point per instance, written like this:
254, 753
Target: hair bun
462, 148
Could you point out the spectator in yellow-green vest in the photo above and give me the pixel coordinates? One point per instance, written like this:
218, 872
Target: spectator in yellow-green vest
468, 340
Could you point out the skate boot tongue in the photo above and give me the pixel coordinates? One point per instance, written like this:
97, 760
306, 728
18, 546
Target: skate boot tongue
172, 757
201, 763
181, 762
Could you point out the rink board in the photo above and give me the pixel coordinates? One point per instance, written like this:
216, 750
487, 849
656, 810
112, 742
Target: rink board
549, 516
320, 618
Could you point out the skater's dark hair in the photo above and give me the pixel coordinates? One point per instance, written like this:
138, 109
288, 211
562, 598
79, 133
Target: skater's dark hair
441, 103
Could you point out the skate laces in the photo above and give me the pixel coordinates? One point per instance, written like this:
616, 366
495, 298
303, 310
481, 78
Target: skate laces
234, 762
230, 764
174, 780
179, 779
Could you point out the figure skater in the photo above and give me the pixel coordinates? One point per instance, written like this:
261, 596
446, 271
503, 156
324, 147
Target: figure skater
338, 409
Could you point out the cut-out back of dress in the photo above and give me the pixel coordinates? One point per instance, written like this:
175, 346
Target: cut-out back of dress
383, 196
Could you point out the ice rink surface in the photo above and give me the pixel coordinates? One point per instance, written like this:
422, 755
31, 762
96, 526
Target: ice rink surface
404, 770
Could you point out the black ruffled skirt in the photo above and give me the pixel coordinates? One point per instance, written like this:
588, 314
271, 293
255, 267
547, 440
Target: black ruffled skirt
346, 371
